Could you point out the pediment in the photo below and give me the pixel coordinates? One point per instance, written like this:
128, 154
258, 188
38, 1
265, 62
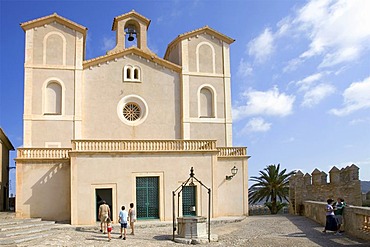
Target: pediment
130, 15
194, 33
54, 18
149, 57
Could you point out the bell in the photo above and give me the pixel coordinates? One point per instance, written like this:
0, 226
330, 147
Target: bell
130, 37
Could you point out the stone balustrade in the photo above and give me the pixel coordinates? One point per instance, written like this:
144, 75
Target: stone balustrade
143, 145
356, 220
43, 153
130, 146
232, 151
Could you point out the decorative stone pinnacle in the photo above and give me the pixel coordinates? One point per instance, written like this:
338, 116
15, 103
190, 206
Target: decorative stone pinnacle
192, 172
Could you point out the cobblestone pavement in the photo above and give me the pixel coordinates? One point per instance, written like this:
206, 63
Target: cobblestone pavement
254, 231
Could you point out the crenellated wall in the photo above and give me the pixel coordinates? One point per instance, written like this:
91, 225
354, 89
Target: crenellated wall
342, 183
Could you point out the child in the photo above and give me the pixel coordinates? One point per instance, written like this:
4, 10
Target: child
123, 221
132, 215
109, 228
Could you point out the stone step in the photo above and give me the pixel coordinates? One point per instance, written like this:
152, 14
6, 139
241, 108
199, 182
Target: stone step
25, 225
24, 238
18, 221
15, 231
25, 231
7, 216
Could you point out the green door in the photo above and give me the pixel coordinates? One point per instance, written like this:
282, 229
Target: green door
189, 201
147, 197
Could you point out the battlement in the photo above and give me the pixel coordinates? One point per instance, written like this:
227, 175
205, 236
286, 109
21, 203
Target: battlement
343, 183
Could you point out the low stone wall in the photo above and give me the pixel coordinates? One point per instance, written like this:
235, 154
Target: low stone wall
356, 219
263, 210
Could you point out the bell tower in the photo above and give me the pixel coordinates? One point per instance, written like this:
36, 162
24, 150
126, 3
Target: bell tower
131, 30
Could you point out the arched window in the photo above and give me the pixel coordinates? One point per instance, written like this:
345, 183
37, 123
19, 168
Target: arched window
206, 103
132, 34
54, 49
136, 74
131, 73
53, 99
128, 72
205, 54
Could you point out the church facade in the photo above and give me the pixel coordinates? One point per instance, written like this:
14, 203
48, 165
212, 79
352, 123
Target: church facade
126, 126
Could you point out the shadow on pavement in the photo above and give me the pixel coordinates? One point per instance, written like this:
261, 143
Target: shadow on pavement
313, 231
163, 237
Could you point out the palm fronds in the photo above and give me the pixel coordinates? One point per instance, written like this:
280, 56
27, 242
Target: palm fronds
272, 184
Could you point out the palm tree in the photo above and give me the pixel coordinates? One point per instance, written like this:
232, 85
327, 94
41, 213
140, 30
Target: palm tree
270, 186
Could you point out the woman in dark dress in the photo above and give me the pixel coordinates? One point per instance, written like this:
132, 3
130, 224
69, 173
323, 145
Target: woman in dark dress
331, 223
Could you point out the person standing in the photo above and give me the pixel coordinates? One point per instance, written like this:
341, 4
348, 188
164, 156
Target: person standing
123, 215
339, 206
104, 214
132, 215
331, 223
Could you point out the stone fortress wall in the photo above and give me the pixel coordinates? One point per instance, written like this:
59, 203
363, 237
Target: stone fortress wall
342, 183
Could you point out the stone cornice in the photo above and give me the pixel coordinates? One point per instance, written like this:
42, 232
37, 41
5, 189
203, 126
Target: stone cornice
132, 50
46, 20
5, 140
205, 29
51, 18
132, 13
53, 67
202, 74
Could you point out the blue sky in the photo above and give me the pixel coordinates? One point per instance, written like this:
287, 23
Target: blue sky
300, 70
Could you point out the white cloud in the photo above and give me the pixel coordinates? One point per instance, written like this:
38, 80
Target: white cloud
359, 121
307, 82
245, 69
256, 125
338, 30
270, 103
293, 64
341, 70
108, 43
316, 94
262, 46
342, 55
283, 26
314, 90
356, 97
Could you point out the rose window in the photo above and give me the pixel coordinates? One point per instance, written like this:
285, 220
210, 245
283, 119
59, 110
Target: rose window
131, 111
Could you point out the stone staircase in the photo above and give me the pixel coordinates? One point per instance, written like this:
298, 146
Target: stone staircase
15, 231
